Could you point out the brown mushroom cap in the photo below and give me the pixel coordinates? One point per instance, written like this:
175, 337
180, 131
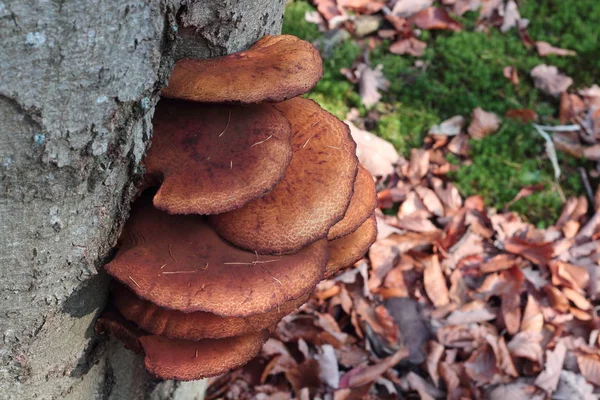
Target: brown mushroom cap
195, 325
216, 158
275, 68
183, 359
312, 197
362, 205
347, 250
179, 262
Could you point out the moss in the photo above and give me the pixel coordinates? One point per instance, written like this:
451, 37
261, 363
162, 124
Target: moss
463, 70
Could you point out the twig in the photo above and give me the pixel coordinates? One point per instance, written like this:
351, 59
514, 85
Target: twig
550, 150
586, 184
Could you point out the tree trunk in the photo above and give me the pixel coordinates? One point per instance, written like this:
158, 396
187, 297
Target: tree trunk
78, 83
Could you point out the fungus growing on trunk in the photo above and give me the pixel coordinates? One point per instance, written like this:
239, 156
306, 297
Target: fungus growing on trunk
212, 158
183, 359
195, 325
182, 264
275, 179
313, 195
362, 205
347, 250
276, 68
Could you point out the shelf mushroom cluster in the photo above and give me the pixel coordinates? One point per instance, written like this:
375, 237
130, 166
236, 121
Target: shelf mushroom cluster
253, 195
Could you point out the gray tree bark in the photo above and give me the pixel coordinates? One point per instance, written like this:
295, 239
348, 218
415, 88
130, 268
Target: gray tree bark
78, 83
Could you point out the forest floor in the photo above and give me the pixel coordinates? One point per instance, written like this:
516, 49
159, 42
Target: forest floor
484, 281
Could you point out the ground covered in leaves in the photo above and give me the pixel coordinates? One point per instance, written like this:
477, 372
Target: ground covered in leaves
484, 282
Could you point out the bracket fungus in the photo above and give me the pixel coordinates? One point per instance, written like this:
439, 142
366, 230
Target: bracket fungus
252, 196
215, 158
274, 69
195, 325
362, 205
347, 250
180, 263
183, 359
313, 195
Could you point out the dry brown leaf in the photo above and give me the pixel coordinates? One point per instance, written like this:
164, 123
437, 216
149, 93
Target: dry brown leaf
545, 49
533, 320
548, 379
589, 365
527, 344
375, 154
406, 8
450, 127
418, 166
411, 46
511, 16
523, 114
327, 8
363, 375
573, 276
434, 355
502, 355
511, 74
481, 366
577, 298
362, 6
434, 18
435, 282
483, 123
537, 253
413, 331
549, 80
557, 299
430, 200
370, 82
459, 145
473, 312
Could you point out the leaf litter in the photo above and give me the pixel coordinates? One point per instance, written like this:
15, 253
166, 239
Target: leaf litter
454, 300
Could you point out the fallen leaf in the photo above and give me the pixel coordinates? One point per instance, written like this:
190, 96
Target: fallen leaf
515, 391
375, 154
527, 344
419, 165
411, 46
573, 386
525, 192
435, 18
503, 360
549, 80
511, 16
434, 355
327, 8
363, 375
589, 365
370, 82
524, 114
533, 320
406, 8
362, 6
328, 366
413, 331
537, 253
473, 312
435, 282
549, 377
481, 365
545, 49
483, 123
511, 74
450, 127
459, 145
425, 389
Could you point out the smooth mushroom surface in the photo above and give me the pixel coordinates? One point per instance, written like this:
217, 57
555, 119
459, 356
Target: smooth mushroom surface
313, 195
179, 262
275, 68
215, 158
195, 325
347, 250
362, 205
183, 359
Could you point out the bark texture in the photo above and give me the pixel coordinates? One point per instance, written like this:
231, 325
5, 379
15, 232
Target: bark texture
78, 83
